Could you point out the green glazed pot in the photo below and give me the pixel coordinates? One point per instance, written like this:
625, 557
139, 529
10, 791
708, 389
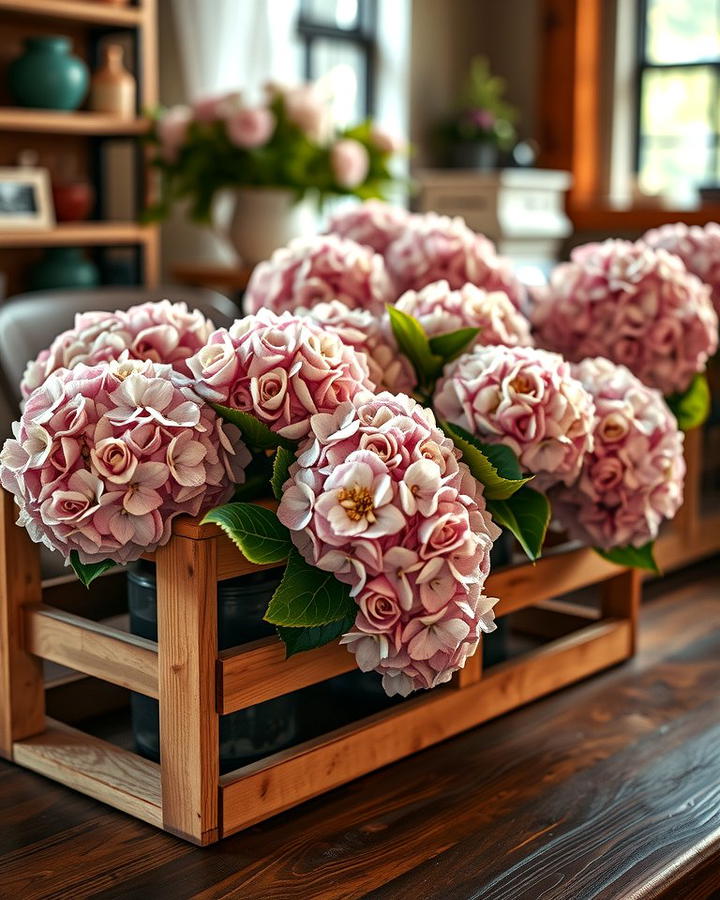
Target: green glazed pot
63, 267
47, 76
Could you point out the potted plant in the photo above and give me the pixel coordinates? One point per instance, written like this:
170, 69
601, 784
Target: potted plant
483, 124
281, 159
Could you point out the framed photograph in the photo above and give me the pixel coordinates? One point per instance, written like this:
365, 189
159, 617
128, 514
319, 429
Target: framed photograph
25, 199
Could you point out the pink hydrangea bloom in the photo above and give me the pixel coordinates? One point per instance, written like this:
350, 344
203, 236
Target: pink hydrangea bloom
438, 248
163, 332
377, 497
633, 478
389, 369
440, 309
373, 223
526, 399
281, 369
316, 269
105, 457
636, 306
697, 246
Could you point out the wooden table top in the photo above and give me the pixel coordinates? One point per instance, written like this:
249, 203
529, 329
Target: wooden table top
609, 789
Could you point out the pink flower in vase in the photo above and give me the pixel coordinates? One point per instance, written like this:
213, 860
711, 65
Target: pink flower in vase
350, 162
250, 127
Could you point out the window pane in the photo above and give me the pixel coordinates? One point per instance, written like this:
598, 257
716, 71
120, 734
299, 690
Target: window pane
682, 30
675, 166
334, 13
678, 102
344, 66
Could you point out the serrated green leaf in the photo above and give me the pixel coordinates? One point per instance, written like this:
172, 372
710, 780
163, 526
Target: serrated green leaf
483, 461
297, 640
634, 557
255, 433
692, 407
413, 342
256, 531
307, 597
454, 343
526, 515
88, 572
284, 458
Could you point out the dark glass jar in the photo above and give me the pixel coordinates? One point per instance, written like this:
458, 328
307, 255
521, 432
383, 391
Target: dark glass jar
246, 735
494, 646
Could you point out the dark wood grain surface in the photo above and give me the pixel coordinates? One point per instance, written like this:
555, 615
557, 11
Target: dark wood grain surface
609, 789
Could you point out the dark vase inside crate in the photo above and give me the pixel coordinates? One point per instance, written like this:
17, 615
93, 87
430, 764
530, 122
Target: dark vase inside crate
494, 646
249, 734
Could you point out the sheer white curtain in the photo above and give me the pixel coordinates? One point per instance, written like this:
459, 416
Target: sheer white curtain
229, 44
223, 45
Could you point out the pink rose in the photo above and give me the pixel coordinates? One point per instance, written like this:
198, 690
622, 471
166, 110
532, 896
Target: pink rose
250, 127
172, 129
349, 162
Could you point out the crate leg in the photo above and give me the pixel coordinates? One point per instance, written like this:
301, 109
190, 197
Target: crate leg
621, 600
187, 653
22, 693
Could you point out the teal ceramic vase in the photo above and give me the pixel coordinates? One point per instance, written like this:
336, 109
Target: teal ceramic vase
63, 267
47, 76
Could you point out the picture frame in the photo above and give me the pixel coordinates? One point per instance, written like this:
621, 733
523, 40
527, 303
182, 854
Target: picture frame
25, 199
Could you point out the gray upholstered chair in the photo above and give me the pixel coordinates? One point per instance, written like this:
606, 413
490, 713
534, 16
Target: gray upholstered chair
29, 322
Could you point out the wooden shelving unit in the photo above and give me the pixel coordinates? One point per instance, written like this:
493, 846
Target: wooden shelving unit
86, 123
77, 10
89, 234
81, 136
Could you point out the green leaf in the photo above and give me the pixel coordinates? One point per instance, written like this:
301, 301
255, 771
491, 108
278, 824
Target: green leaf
283, 460
307, 596
255, 433
453, 343
494, 466
413, 342
692, 407
634, 557
526, 515
88, 572
256, 531
297, 640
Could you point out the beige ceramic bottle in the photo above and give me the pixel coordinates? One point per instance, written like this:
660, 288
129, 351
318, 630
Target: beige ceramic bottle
112, 89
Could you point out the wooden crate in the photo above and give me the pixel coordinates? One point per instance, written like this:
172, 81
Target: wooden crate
195, 684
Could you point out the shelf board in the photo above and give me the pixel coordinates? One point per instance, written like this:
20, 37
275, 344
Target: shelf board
53, 121
79, 234
598, 218
89, 11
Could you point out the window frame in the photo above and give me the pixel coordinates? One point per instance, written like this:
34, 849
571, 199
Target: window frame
364, 36
644, 65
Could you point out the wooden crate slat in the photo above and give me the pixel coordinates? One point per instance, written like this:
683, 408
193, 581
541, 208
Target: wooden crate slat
558, 573
96, 768
300, 773
22, 695
259, 671
187, 653
93, 648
